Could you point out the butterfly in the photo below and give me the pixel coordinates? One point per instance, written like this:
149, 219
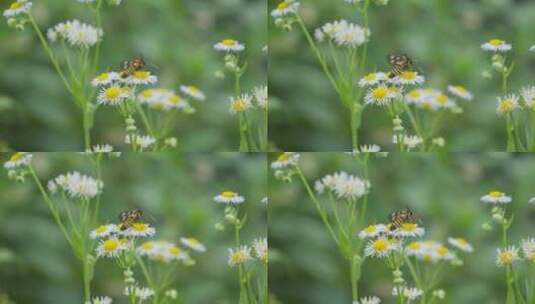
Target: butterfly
399, 63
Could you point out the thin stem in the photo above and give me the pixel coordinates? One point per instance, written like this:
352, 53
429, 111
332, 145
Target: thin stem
317, 53
318, 206
49, 52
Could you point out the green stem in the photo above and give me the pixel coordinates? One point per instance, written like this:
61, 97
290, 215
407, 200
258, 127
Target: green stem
244, 143
49, 52
318, 206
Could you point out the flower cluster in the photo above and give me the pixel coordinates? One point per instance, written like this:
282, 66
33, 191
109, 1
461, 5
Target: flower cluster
164, 100
17, 165
343, 185
76, 185
343, 33
75, 33
285, 165
245, 253
244, 102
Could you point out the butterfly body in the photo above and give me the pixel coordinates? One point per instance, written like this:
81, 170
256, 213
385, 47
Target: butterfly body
129, 217
131, 66
398, 218
399, 63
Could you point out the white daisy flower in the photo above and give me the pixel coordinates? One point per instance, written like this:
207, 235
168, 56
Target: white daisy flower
148, 248
103, 231
410, 141
240, 104
229, 197
193, 244
18, 159
285, 160
460, 91
261, 96
351, 187
238, 256
163, 100
319, 35
18, 7
260, 247
284, 8
351, 36
381, 95
410, 293
528, 94
381, 247
112, 247
374, 299
460, 244
101, 300
373, 231
372, 79
113, 96
77, 185
507, 104
140, 78
496, 197
408, 230
496, 45
407, 78
193, 92
76, 33
139, 230
331, 28
507, 256
229, 45
105, 79
177, 254
142, 141
528, 249
162, 251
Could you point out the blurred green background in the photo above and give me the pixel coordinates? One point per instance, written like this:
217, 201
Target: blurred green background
443, 36
442, 189
37, 266
175, 36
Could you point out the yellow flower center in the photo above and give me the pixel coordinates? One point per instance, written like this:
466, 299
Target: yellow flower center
193, 242
148, 245
237, 257
101, 229
193, 89
228, 194
139, 227
415, 246
111, 245
442, 99
283, 5
229, 42
239, 105
370, 229
496, 42
103, 77
442, 251
141, 74
461, 241
370, 77
506, 257
175, 99
15, 5
461, 89
17, 156
409, 227
495, 194
175, 251
113, 92
147, 93
506, 105
380, 245
283, 157
380, 93
415, 94
408, 75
